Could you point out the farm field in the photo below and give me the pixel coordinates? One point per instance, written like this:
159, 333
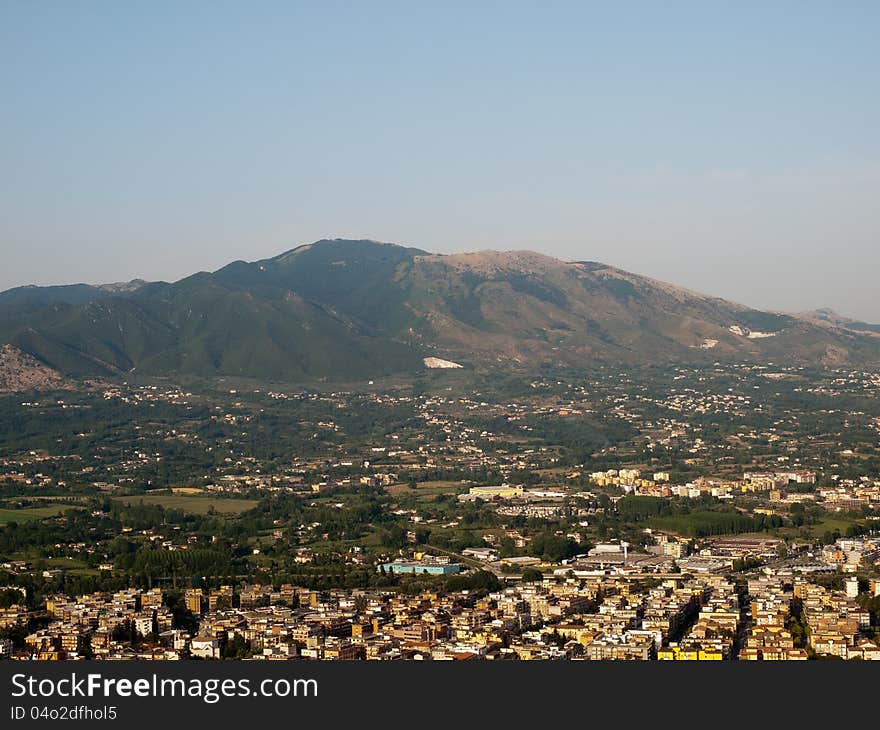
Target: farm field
32, 513
195, 504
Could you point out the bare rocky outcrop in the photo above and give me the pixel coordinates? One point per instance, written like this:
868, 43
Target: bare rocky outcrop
20, 372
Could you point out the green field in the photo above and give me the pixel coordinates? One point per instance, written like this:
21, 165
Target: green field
426, 489
826, 523
705, 522
33, 513
196, 504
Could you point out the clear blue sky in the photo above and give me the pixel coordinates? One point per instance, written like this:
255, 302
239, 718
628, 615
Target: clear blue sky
729, 147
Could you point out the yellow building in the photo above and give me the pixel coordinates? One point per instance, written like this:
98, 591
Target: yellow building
504, 492
676, 653
194, 600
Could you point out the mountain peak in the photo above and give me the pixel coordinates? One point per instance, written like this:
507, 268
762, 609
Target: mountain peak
829, 317
344, 245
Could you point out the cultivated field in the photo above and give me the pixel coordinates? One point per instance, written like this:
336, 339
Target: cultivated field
196, 504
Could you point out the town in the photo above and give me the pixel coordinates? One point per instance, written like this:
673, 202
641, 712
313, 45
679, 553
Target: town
722, 513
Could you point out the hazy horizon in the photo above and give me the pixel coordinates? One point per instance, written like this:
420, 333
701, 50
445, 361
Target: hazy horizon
731, 150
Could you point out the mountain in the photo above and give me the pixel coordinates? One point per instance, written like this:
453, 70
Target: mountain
342, 309
829, 316
27, 299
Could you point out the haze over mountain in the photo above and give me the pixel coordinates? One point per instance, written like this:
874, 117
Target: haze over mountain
357, 309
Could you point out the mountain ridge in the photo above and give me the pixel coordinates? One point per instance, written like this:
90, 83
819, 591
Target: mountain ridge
829, 316
361, 308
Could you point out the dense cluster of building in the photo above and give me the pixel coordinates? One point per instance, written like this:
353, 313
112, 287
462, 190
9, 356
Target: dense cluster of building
612, 613
631, 481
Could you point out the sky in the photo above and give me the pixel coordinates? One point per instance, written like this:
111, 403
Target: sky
729, 147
